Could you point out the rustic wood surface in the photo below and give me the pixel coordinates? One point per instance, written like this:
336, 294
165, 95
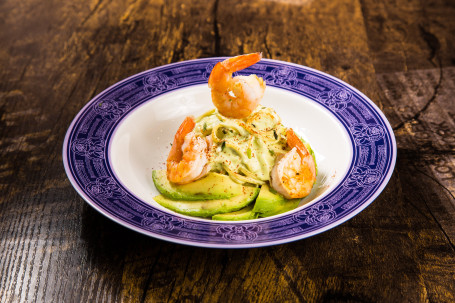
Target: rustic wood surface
56, 55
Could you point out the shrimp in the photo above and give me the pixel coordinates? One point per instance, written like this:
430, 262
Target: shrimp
187, 160
236, 97
294, 174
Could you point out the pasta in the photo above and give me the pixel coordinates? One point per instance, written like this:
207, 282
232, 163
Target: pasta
245, 149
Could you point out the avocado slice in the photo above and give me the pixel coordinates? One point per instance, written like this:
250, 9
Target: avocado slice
269, 203
245, 213
208, 208
212, 186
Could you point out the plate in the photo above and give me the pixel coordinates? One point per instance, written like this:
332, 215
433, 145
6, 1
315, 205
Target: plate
125, 132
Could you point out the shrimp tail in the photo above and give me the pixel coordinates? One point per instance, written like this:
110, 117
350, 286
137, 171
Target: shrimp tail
225, 68
294, 141
294, 174
176, 153
236, 97
237, 63
187, 160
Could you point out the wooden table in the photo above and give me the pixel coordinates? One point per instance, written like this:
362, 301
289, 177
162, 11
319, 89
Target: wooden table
56, 55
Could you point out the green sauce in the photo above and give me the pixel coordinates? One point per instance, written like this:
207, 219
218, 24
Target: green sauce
247, 148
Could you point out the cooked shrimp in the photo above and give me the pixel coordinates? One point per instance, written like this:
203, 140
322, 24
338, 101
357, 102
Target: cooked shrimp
294, 174
236, 97
187, 160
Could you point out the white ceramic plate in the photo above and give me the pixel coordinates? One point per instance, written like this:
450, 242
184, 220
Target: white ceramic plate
125, 132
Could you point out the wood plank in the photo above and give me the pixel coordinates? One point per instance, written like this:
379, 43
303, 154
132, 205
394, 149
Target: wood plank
44, 222
409, 35
418, 90
413, 50
326, 35
43, 255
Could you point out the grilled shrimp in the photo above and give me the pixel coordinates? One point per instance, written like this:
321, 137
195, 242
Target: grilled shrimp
236, 97
187, 160
294, 174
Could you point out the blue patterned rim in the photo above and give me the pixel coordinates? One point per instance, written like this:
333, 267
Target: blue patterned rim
86, 145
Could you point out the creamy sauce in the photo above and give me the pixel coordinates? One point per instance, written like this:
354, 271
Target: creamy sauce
247, 148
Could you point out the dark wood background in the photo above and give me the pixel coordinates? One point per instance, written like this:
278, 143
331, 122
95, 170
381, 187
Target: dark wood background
56, 55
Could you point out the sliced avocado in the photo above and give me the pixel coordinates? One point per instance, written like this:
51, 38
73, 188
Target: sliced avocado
212, 186
269, 203
208, 208
245, 213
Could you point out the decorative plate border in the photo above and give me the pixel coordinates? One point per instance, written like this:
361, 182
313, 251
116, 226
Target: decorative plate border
86, 157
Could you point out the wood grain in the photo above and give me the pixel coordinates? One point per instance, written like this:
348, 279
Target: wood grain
57, 55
